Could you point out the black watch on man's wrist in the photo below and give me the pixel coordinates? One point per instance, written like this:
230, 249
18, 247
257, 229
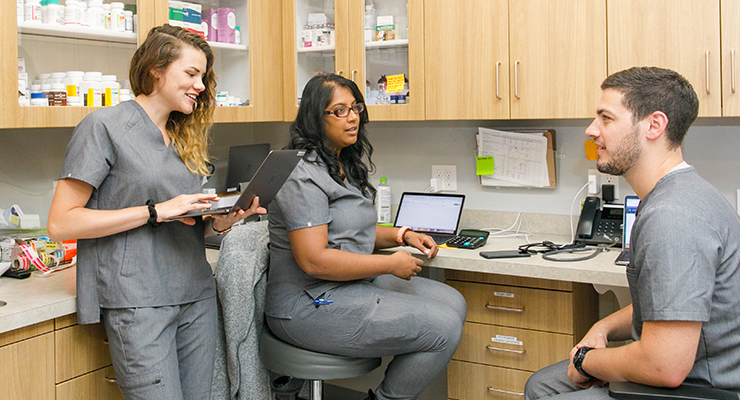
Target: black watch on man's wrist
578, 360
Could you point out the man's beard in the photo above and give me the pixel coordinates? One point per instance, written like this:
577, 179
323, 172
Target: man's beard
624, 154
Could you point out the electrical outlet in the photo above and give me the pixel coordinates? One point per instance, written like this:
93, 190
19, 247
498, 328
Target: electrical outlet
611, 180
447, 175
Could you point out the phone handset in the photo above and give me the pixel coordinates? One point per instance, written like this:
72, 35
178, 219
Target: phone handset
587, 220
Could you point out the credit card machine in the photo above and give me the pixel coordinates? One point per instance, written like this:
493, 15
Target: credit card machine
468, 239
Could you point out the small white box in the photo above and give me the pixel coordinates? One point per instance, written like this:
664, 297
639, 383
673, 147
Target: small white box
385, 20
30, 221
21, 64
317, 19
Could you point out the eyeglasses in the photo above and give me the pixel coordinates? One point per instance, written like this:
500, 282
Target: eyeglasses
342, 112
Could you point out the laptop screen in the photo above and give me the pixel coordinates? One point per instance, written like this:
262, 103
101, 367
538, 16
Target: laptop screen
435, 213
630, 212
243, 163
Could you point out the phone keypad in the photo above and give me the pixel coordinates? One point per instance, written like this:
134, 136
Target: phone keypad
612, 229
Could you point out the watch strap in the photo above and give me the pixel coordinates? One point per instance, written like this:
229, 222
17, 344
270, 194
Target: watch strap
578, 361
400, 239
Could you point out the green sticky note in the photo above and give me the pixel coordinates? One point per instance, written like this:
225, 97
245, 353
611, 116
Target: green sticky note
484, 165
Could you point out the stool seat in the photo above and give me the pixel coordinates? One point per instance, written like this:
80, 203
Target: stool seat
286, 359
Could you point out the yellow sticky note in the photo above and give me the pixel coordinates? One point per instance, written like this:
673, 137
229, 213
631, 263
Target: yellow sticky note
484, 165
394, 83
591, 149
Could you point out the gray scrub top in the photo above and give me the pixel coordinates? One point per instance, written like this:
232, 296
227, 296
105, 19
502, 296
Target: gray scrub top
310, 197
121, 153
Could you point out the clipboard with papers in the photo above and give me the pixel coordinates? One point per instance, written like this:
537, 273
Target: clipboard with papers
524, 158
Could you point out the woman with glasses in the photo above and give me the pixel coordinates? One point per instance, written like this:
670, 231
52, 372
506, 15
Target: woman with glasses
326, 289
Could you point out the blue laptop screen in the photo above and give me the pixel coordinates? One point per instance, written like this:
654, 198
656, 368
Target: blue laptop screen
630, 212
431, 213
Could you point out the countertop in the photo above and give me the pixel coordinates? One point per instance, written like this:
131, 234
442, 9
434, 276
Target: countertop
41, 298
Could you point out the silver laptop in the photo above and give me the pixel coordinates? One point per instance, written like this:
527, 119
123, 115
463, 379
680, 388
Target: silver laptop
630, 213
265, 183
434, 214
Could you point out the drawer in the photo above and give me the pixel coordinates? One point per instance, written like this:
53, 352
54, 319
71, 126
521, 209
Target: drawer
80, 349
539, 309
467, 381
100, 384
512, 347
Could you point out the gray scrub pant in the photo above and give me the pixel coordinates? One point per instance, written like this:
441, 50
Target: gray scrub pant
552, 382
419, 322
163, 353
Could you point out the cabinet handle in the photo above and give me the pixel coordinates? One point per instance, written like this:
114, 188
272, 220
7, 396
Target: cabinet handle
732, 70
706, 56
105, 342
352, 75
516, 79
498, 70
489, 347
491, 389
110, 380
492, 307
340, 72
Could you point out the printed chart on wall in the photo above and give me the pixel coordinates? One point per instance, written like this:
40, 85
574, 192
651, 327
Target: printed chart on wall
516, 159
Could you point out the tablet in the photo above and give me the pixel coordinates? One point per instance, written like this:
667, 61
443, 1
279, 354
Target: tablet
266, 182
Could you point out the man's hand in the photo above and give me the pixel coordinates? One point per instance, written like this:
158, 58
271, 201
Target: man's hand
597, 340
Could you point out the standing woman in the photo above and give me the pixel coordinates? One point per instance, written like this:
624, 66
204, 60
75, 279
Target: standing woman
128, 169
326, 291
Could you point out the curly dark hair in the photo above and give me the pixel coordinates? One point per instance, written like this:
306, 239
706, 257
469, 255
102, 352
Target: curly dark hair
308, 132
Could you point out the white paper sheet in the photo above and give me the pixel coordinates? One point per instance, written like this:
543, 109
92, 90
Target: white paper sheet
520, 159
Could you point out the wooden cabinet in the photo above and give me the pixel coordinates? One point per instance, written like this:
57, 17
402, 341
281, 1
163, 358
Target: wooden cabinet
252, 70
514, 327
467, 59
83, 366
683, 35
27, 363
351, 56
518, 59
730, 52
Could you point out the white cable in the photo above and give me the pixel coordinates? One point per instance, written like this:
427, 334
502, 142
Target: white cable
498, 232
26, 192
572, 234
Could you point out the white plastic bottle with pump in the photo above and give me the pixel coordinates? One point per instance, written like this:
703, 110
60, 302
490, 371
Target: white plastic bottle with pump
383, 202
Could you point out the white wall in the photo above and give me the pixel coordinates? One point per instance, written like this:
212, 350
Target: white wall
404, 152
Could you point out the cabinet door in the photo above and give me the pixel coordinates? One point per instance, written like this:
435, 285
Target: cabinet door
310, 47
682, 35
467, 59
245, 61
730, 49
28, 369
48, 48
558, 57
379, 50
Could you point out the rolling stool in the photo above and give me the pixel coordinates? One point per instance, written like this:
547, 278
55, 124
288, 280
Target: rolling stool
286, 359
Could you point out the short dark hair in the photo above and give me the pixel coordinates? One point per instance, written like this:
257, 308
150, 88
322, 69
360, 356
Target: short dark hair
650, 89
308, 131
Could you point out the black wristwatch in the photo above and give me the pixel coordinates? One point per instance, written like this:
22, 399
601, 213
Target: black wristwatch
578, 360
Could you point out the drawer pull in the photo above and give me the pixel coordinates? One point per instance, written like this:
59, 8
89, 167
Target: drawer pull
110, 380
105, 342
492, 307
490, 389
489, 347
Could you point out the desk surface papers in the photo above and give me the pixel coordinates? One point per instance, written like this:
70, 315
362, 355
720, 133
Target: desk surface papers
520, 159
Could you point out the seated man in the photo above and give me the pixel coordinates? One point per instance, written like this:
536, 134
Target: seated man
684, 274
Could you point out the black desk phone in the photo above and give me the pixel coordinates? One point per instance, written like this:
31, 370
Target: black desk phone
597, 225
468, 239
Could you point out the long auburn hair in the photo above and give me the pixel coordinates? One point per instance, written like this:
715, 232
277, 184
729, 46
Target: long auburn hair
308, 131
189, 132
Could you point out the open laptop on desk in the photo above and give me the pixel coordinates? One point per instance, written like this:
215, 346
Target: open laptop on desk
630, 213
433, 214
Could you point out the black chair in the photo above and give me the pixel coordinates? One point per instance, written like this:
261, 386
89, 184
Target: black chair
285, 359
635, 391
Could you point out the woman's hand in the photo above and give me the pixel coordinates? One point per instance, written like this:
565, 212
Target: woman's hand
404, 265
223, 222
181, 204
422, 242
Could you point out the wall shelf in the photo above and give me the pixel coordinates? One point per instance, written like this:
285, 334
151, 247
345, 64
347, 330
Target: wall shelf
74, 32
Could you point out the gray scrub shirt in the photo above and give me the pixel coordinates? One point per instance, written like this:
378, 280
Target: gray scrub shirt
121, 154
310, 197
